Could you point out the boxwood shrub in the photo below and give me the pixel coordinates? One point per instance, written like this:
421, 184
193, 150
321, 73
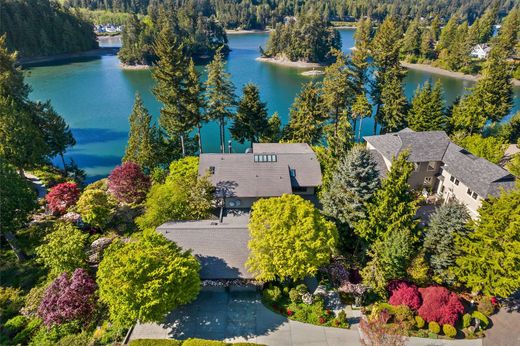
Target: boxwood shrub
434, 327
449, 330
419, 322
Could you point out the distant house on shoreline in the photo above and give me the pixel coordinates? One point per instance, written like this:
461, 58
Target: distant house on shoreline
442, 167
480, 51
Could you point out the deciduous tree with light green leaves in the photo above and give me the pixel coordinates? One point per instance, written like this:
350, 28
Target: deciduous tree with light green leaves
96, 207
63, 249
183, 196
146, 278
489, 148
393, 206
289, 239
489, 255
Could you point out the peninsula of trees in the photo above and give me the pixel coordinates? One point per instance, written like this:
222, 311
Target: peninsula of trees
42, 27
201, 35
307, 38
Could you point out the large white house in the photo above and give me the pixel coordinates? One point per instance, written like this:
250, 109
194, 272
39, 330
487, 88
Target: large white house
442, 167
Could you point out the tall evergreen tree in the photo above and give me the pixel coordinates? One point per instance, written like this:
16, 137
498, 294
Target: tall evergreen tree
251, 122
360, 109
142, 138
57, 134
446, 223
385, 49
220, 94
489, 256
353, 184
394, 105
339, 137
338, 88
307, 116
361, 54
196, 96
171, 76
393, 207
412, 39
427, 44
427, 109
274, 131
508, 35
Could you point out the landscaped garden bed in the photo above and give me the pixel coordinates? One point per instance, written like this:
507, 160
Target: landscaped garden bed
296, 303
431, 312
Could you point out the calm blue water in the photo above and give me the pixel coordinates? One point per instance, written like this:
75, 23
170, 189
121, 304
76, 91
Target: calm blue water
95, 96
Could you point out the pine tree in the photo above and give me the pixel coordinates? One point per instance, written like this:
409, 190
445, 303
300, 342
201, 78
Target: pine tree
251, 121
435, 28
274, 131
195, 93
353, 184
385, 49
56, 133
508, 36
393, 206
447, 34
427, 109
394, 104
412, 38
490, 98
307, 116
143, 142
339, 137
446, 223
338, 88
220, 94
361, 54
360, 109
427, 45
171, 76
489, 256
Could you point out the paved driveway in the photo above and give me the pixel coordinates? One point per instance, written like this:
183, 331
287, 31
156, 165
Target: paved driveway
240, 316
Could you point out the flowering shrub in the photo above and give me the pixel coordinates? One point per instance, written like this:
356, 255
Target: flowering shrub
337, 272
440, 305
128, 184
290, 312
487, 305
322, 320
405, 294
61, 197
68, 299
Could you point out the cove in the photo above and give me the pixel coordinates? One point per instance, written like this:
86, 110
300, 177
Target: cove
95, 96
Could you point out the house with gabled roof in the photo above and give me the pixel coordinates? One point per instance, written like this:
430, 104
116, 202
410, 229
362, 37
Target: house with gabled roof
441, 166
268, 170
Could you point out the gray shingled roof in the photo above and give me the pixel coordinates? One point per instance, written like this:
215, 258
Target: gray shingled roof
241, 176
423, 146
380, 163
480, 175
221, 249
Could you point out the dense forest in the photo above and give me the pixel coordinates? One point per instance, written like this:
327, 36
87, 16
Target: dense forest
308, 38
261, 13
201, 35
42, 27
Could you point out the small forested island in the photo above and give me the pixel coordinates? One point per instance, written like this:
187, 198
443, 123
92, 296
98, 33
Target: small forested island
201, 35
307, 38
42, 28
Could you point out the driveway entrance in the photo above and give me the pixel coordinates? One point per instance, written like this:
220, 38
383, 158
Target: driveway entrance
240, 316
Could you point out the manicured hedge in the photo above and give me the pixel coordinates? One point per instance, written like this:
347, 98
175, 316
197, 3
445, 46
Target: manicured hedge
188, 342
202, 342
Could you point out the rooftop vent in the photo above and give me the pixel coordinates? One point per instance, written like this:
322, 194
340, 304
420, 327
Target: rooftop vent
265, 158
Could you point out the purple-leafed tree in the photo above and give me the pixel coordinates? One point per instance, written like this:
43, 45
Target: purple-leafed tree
68, 299
128, 184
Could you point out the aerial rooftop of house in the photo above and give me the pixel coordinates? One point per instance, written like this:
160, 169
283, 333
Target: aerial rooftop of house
476, 173
220, 247
270, 170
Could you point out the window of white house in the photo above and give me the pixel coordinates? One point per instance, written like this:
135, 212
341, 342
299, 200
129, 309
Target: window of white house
428, 180
469, 192
457, 182
474, 195
431, 166
452, 178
